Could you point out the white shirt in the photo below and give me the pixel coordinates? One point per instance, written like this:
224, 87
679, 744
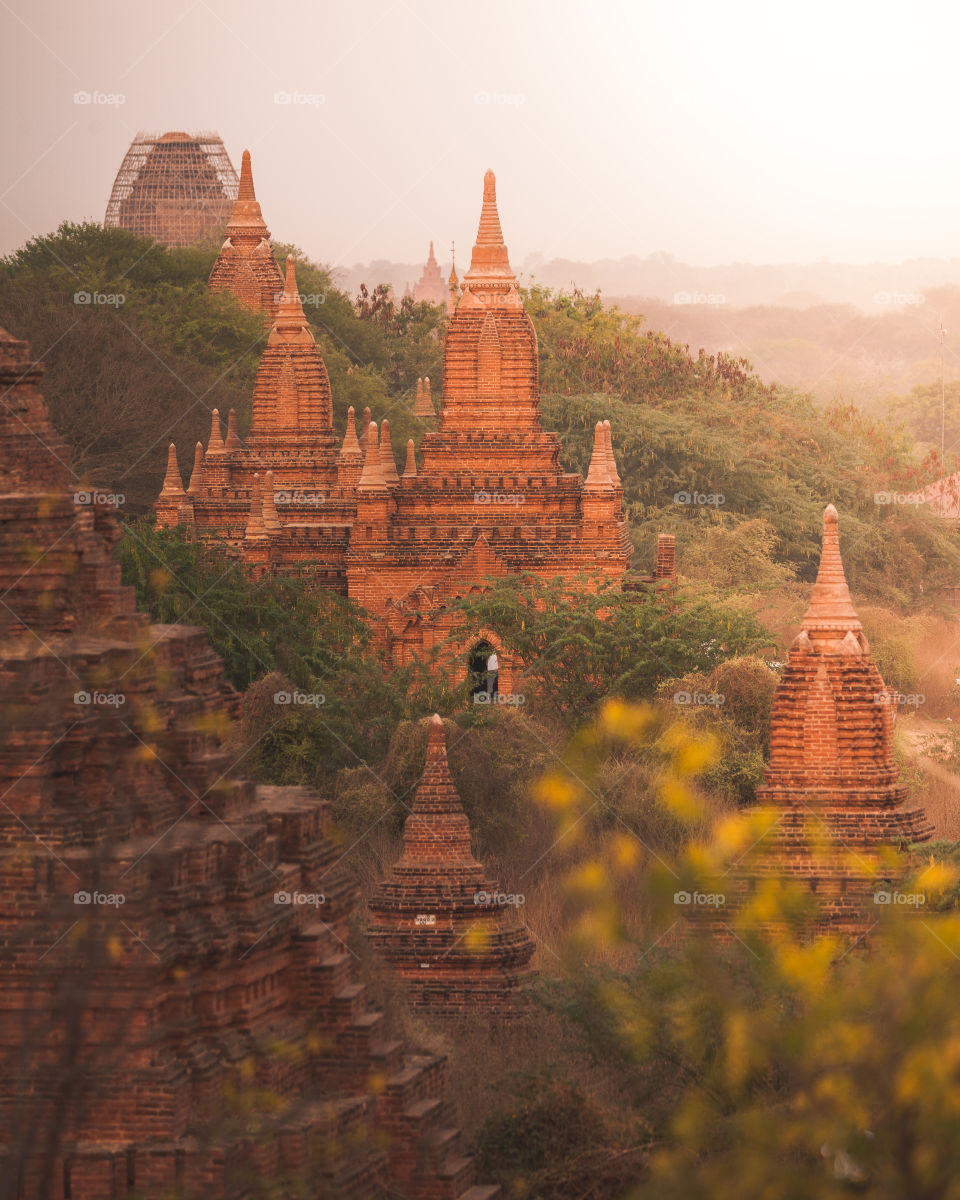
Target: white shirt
493, 663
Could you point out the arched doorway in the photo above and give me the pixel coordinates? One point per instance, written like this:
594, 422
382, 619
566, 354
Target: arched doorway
477, 668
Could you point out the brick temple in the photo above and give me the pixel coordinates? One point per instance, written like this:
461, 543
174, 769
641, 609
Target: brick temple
180, 1012
443, 927
483, 496
430, 286
245, 265
832, 773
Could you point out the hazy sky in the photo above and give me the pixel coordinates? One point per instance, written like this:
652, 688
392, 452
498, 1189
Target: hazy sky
715, 132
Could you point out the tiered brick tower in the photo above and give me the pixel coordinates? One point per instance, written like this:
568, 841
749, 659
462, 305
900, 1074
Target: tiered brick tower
490, 497
245, 265
436, 919
832, 772
312, 484
430, 285
127, 1028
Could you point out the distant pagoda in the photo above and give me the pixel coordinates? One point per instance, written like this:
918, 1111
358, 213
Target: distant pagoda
430, 285
177, 188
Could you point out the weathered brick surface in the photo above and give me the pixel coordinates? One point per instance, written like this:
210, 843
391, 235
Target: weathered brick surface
245, 265
127, 1030
440, 923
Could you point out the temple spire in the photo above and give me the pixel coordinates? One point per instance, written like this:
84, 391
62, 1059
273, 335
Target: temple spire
215, 444
172, 481
410, 470
598, 475
350, 443
233, 437
255, 527
387, 461
612, 472
490, 259
831, 607
371, 478
196, 475
437, 828
246, 191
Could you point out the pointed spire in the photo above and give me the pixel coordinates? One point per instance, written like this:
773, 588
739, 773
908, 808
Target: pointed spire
612, 472
196, 475
490, 259
426, 390
410, 470
290, 325
365, 424
598, 475
246, 191
350, 443
419, 400
271, 518
423, 407
215, 444
831, 608
371, 478
172, 481
437, 828
255, 527
233, 437
387, 461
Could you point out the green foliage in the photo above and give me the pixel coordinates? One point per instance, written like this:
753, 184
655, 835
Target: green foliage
579, 646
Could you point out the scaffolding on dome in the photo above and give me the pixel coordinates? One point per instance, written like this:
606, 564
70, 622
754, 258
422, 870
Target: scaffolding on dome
177, 188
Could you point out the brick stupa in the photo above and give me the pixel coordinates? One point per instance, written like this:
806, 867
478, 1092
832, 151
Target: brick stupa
430, 286
831, 773
135, 1036
245, 265
436, 918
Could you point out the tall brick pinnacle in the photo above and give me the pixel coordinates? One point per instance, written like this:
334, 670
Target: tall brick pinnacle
612, 472
410, 468
490, 258
233, 437
215, 444
598, 475
831, 613
172, 481
195, 486
255, 526
435, 918
387, 461
245, 265
371, 478
290, 319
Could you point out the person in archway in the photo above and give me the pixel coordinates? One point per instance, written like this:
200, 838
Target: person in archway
493, 668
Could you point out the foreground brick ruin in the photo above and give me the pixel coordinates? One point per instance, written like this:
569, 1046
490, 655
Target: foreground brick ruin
180, 1013
448, 931
484, 496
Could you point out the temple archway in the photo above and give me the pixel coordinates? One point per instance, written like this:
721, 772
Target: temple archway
477, 666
